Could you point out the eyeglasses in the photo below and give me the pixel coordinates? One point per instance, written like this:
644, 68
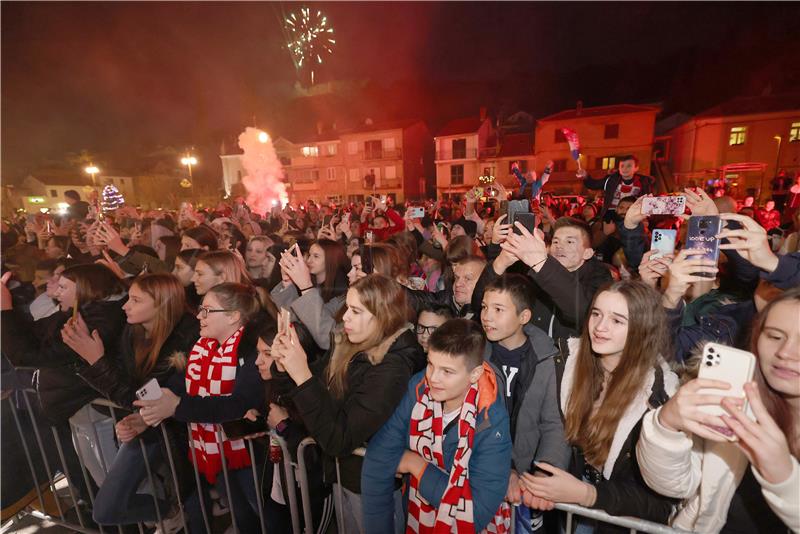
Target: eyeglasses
422, 329
203, 311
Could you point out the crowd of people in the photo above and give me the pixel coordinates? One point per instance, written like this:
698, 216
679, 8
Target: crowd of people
491, 370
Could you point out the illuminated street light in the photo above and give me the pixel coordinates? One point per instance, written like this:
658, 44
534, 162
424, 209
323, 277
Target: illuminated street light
189, 160
93, 170
263, 137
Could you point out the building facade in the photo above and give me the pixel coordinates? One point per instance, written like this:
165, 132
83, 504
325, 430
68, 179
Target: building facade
740, 144
46, 188
605, 132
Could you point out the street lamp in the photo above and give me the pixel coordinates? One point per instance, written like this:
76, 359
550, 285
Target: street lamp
189, 160
93, 170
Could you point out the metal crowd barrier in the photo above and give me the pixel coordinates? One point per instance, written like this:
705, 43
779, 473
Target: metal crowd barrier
20, 405
295, 473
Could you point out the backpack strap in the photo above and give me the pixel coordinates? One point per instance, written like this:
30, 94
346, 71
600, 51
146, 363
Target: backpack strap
560, 362
658, 394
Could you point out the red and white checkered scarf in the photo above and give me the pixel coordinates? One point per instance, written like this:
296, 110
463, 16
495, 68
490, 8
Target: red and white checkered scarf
210, 372
455, 514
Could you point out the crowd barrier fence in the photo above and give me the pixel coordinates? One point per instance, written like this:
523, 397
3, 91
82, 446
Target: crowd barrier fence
295, 473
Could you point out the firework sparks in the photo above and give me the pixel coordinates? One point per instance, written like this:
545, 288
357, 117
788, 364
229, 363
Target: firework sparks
310, 38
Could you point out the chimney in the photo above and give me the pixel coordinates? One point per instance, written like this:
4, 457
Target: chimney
483, 113
579, 107
368, 121
319, 127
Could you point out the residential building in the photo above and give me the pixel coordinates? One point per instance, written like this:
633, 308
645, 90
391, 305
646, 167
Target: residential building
45, 188
465, 150
605, 132
741, 143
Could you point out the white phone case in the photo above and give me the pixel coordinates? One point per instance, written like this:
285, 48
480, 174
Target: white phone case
726, 364
150, 391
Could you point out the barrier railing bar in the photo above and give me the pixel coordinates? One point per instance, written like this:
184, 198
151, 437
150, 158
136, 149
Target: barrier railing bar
221, 446
43, 454
27, 453
85, 475
256, 481
302, 475
288, 468
46, 517
152, 484
174, 473
68, 475
339, 495
633, 523
197, 480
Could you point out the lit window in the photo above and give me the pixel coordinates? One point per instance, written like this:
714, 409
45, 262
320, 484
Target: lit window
794, 132
331, 172
738, 134
310, 151
331, 149
610, 163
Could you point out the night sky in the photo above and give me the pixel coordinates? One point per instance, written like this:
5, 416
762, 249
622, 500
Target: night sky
121, 79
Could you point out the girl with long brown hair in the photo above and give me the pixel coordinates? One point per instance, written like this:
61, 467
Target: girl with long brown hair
613, 375
751, 484
158, 329
356, 386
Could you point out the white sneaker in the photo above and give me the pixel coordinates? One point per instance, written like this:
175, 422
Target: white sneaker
172, 524
219, 508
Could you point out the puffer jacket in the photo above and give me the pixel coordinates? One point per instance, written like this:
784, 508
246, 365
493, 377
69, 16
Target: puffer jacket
61, 390
376, 382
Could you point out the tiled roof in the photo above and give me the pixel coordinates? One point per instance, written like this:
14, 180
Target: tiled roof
461, 126
618, 109
754, 104
383, 125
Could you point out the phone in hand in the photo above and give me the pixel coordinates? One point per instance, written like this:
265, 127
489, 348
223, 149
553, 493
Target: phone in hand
726, 364
702, 235
284, 320
515, 208
244, 427
528, 220
416, 213
662, 242
664, 205
150, 391
326, 220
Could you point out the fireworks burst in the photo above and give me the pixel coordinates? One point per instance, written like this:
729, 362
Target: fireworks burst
310, 39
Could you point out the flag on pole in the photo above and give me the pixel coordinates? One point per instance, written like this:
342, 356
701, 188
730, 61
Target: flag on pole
574, 142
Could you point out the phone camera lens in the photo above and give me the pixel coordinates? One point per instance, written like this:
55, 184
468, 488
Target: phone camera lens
709, 364
711, 350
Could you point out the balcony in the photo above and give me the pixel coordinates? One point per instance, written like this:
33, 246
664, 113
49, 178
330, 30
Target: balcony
392, 153
468, 153
394, 183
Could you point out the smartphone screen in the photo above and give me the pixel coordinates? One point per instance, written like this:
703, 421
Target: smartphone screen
702, 235
528, 220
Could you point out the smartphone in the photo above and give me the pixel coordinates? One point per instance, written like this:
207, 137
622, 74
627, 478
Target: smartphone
369, 236
702, 234
416, 213
284, 320
326, 220
664, 205
244, 427
150, 391
734, 366
528, 220
662, 242
515, 207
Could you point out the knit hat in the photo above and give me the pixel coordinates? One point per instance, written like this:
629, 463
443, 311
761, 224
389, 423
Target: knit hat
470, 227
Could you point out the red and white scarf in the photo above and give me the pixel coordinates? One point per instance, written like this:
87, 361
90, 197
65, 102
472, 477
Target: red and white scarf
211, 372
455, 513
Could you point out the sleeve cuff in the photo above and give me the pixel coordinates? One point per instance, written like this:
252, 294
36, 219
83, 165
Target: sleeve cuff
788, 490
658, 433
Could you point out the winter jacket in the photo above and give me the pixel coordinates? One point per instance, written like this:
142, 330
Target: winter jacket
706, 474
609, 183
488, 465
376, 381
61, 390
381, 234
318, 316
116, 378
536, 427
621, 489
248, 389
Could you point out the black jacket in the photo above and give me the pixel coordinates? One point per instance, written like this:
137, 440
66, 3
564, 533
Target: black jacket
609, 185
373, 392
115, 377
61, 390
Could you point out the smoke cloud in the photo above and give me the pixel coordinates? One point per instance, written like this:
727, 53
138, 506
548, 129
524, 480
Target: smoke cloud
264, 180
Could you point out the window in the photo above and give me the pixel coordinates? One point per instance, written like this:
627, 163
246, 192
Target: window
559, 165
330, 150
459, 149
331, 172
456, 174
352, 148
355, 176
285, 160
373, 149
390, 173
559, 138
611, 131
239, 175
794, 132
607, 163
53, 193
738, 135
310, 151
388, 143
